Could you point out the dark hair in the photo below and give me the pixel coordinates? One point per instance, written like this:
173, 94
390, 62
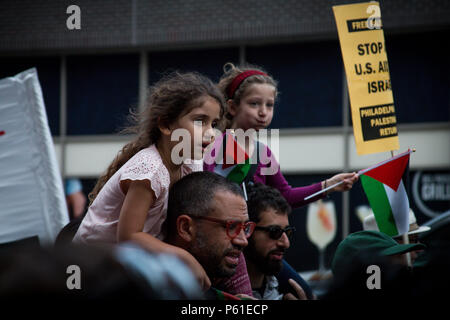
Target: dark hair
171, 97
261, 198
193, 194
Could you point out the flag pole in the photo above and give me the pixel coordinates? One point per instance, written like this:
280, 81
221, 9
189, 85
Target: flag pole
245, 191
324, 190
406, 241
405, 235
360, 172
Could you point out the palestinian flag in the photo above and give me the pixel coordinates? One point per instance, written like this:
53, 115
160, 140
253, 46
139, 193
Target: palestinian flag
384, 185
222, 295
233, 162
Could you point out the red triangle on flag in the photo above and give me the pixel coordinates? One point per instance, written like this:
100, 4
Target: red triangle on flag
390, 173
234, 154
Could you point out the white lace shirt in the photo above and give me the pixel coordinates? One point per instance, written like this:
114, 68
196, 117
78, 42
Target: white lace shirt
101, 220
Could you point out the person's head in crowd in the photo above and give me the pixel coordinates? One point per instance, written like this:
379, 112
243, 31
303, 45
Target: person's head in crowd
375, 243
93, 272
369, 223
207, 216
250, 94
188, 101
369, 260
270, 240
369, 276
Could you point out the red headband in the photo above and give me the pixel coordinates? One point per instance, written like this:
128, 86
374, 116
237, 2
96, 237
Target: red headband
241, 77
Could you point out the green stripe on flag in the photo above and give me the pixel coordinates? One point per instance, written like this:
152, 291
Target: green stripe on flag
379, 202
219, 294
239, 172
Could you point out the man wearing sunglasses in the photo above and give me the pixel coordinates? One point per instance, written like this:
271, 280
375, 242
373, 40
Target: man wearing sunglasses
207, 217
269, 242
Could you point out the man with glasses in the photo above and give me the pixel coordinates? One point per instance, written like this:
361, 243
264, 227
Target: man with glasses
207, 216
269, 242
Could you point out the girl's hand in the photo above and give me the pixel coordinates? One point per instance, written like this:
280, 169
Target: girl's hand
349, 180
244, 296
299, 291
198, 271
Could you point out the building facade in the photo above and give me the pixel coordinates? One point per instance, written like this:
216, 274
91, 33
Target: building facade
91, 77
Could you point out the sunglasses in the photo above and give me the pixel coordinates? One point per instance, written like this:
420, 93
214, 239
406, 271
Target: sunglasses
233, 228
275, 232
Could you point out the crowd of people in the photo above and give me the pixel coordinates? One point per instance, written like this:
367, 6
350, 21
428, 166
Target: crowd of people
168, 229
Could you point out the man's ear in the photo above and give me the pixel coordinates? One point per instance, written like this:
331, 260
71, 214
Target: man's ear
185, 228
231, 107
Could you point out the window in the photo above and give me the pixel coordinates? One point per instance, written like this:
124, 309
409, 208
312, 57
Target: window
207, 62
420, 75
100, 92
310, 81
48, 69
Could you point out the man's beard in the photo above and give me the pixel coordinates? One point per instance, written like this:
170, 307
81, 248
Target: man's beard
211, 260
265, 264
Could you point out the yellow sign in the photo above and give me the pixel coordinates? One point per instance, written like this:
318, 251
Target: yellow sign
367, 70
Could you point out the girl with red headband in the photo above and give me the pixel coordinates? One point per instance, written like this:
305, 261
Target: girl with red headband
250, 95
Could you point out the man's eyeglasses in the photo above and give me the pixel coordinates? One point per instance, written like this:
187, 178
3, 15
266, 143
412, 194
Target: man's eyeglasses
233, 228
275, 232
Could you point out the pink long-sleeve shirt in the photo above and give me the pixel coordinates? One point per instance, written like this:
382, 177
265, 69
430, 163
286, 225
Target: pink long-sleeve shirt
294, 196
